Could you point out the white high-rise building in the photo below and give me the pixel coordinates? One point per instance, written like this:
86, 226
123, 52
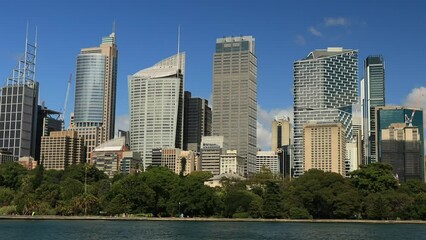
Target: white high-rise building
156, 107
325, 87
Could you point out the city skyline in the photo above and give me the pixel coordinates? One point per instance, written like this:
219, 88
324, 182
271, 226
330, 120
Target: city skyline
328, 27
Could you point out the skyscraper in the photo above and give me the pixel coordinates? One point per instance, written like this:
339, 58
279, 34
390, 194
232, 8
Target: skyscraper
235, 96
197, 123
325, 87
95, 93
156, 107
385, 117
401, 148
374, 95
18, 106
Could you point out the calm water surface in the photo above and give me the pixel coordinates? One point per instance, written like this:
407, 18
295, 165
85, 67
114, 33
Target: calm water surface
101, 230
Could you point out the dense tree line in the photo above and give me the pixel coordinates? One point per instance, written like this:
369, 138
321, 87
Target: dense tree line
370, 193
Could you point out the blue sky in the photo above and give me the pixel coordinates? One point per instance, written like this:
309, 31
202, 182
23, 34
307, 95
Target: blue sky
285, 31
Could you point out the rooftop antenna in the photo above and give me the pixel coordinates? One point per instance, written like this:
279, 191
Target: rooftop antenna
35, 52
178, 49
113, 26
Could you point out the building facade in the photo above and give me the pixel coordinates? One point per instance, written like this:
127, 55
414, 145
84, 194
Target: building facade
197, 122
95, 93
325, 87
235, 96
374, 95
269, 160
231, 162
114, 157
6, 156
324, 147
401, 149
18, 107
47, 121
211, 149
282, 144
156, 100
385, 116
61, 149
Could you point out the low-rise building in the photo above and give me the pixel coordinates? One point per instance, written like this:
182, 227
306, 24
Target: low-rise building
231, 162
61, 149
6, 156
28, 162
107, 157
268, 159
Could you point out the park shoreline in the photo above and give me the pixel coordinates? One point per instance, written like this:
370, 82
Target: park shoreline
201, 219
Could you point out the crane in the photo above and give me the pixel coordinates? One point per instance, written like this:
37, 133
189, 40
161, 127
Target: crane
409, 120
66, 102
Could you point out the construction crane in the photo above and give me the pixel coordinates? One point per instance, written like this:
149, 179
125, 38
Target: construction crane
409, 120
64, 111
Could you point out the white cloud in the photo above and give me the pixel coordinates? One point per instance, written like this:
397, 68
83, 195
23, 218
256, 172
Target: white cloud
264, 124
339, 21
417, 99
300, 40
315, 31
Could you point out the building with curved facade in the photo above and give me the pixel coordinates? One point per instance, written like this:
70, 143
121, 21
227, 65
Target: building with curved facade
156, 101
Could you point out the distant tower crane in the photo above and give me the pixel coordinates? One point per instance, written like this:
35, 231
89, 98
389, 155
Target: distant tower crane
409, 120
66, 102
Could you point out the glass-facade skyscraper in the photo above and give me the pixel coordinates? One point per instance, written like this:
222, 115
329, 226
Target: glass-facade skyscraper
197, 122
95, 93
386, 116
156, 100
373, 88
235, 96
325, 87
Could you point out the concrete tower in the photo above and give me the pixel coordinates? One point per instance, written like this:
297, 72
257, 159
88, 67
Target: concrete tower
235, 96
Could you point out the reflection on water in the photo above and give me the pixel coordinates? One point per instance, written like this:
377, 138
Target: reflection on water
101, 230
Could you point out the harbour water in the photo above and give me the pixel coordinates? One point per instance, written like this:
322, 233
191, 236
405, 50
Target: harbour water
101, 230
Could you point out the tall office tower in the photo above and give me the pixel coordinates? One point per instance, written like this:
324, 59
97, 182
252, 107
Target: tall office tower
61, 149
374, 95
235, 96
197, 123
47, 121
156, 107
401, 149
385, 116
18, 103
324, 146
95, 93
281, 143
325, 87
211, 149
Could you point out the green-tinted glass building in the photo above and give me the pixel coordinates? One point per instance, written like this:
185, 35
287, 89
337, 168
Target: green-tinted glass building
374, 96
385, 116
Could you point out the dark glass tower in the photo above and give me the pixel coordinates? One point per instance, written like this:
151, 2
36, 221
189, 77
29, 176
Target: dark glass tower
374, 96
197, 122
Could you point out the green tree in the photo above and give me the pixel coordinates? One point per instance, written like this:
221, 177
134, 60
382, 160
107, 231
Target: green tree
6, 196
137, 195
272, 201
193, 198
375, 177
162, 181
241, 201
11, 175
